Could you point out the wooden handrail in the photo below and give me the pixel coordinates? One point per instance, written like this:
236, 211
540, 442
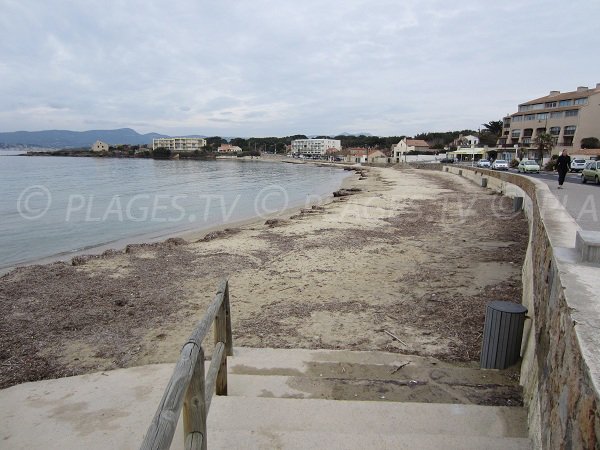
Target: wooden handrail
188, 388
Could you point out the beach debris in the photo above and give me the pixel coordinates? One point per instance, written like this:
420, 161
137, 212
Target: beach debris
395, 337
345, 192
275, 222
401, 366
219, 234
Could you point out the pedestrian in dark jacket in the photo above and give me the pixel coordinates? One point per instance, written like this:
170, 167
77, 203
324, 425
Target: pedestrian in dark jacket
563, 164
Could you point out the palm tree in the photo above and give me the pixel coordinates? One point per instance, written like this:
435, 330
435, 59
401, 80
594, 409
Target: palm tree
494, 127
544, 142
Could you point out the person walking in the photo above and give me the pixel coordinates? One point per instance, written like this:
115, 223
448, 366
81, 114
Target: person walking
563, 164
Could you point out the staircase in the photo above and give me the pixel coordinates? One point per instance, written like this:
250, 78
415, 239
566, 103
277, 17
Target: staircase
280, 399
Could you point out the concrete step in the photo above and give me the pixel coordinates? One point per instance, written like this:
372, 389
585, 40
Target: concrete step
401, 390
343, 375
302, 440
283, 414
113, 410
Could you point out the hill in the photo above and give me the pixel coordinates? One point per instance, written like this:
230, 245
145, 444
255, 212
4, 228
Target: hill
71, 139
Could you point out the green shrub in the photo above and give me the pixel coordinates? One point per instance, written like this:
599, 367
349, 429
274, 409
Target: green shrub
551, 165
514, 163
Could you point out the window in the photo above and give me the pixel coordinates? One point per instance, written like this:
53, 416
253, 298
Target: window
550, 105
565, 103
554, 131
526, 140
516, 133
517, 118
556, 115
571, 113
528, 132
570, 130
581, 101
529, 116
541, 116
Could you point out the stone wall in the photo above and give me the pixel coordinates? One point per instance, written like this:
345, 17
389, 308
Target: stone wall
560, 371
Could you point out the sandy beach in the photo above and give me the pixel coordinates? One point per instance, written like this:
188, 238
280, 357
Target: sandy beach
414, 253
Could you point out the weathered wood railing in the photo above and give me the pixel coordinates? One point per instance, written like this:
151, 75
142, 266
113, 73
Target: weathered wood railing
188, 388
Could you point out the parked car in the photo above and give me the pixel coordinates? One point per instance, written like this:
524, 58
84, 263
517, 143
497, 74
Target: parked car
591, 172
500, 164
447, 161
577, 165
483, 163
528, 166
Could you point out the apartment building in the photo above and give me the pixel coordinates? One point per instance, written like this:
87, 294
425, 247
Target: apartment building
315, 147
179, 144
569, 117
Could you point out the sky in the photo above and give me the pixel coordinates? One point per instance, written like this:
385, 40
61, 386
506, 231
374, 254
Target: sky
284, 67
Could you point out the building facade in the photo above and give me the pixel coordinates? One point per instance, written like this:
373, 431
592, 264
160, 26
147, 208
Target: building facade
228, 148
315, 147
100, 146
410, 145
179, 144
568, 117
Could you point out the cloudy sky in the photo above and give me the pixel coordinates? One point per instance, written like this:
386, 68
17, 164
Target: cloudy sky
282, 67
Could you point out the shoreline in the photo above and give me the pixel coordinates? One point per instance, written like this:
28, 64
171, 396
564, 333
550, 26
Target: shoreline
192, 234
330, 277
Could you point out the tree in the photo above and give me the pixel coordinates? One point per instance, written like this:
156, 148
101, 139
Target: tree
494, 127
544, 142
590, 142
240, 142
161, 153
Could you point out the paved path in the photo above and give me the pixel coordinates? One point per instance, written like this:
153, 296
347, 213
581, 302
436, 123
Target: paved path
582, 201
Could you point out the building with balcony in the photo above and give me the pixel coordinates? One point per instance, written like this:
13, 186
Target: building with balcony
179, 144
315, 147
569, 117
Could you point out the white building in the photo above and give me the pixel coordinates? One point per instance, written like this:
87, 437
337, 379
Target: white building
100, 146
466, 141
228, 148
179, 144
410, 145
315, 146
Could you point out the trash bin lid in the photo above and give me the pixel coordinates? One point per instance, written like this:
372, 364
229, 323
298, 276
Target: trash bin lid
509, 307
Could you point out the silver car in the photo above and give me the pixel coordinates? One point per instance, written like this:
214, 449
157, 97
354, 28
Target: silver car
500, 164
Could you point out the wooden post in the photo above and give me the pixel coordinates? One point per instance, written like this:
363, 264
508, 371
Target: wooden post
221, 336
194, 408
161, 430
229, 342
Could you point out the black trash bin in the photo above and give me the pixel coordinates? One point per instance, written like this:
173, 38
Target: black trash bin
502, 334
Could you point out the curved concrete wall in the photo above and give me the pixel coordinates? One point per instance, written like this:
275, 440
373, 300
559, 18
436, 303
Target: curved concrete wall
560, 371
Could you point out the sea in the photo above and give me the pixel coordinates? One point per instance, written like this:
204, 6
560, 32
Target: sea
55, 207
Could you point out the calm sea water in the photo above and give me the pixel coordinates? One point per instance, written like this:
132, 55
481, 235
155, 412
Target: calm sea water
53, 206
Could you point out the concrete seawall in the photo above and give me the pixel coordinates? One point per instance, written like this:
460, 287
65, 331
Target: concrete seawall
560, 370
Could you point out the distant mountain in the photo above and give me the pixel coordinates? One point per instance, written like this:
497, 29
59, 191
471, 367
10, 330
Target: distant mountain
74, 139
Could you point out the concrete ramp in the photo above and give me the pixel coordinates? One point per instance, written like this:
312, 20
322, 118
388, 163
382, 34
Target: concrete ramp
113, 410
